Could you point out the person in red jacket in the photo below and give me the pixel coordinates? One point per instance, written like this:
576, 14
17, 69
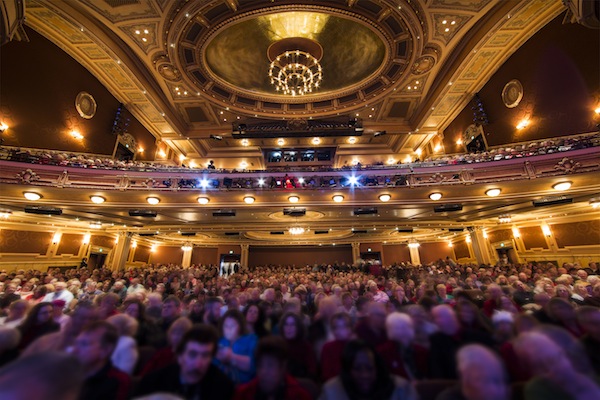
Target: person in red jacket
272, 380
331, 355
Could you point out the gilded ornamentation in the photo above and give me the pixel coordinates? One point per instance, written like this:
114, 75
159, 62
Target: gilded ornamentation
27, 176
567, 166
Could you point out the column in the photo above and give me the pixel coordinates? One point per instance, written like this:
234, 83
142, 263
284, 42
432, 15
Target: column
480, 248
415, 257
355, 252
244, 255
121, 251
53, 248
187, 257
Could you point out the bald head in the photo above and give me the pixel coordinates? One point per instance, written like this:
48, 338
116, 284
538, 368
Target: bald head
482, 375
400, 328
445, 318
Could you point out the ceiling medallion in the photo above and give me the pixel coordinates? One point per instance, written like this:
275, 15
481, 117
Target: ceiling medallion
295, 69
85, 105
512, 93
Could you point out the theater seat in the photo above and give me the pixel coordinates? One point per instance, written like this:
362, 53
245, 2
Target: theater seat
430, 389
310, 386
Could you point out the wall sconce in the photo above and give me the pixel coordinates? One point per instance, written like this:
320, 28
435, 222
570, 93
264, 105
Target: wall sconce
76, 134
413, 245
162, 154
153, 248
459, 142
546, 230
86, 238
3, 127
468, 239
450, 244
516, 232
437, 148
485, 235
134, 244
140, 149
524, 123
56, 238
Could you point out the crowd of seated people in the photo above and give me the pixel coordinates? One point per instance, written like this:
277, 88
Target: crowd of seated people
93, 161
365, 331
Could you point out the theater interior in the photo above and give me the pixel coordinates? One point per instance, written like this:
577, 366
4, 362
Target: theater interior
298, 132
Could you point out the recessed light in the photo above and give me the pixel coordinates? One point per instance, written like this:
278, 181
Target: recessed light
293, 199
338, 198
316, 141
352, 140
153, 200
245, 142
280, 142
249, 199
203, 200
566, 185
435, 196
493, 192
33, 196
385, 197
595, 203
97, 199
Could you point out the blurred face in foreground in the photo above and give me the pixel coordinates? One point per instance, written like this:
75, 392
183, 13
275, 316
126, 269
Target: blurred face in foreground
194, 361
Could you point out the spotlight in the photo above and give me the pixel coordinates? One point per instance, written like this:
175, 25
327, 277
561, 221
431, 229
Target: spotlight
493, 192
261, 182
338, 198
204, 183
249, 199
562, 186
153, 200
385, 197
97, 199
435, 196
353, 180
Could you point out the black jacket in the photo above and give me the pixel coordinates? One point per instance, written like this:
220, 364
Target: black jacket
214, 386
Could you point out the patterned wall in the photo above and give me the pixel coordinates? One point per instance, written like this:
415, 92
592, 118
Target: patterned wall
461, 250
205, 255
395, 253
577, 233
533, 237
69, 244
431, 252
24, 241
102, 241
142, 253
500, 236
167, 255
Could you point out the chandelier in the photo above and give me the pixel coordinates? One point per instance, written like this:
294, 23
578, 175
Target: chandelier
295, 69
504, 219
296, 230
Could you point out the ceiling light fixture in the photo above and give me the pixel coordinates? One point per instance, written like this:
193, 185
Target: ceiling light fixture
249, 199
95, 225
493, 192
316, 141
296, 72
435, 196
338, 198
352, 140
187, 247
33, 196
153, 200
5, 214
562, 186
97, 199
595, 203
245, 142
504, 219
296, 230
385, 197
203, 200
414, 245
293, 199
280, 142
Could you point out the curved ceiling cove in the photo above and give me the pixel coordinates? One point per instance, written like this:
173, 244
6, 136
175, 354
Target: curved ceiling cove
237, 54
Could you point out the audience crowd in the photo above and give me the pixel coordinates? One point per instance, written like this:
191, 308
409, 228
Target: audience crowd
441, 331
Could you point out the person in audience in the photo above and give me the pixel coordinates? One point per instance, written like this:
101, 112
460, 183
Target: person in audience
272, 379
39, 322
171, 310
125, 355
446, 342
403, 357
372, 329
9, 340
148, 332
212, 311
365, 376
471, 319
319, 331
235, 353
193, 376
331, 355
589, 320
554, 375
84, 313
255, 319
58, 313
60, 293
302, 361
48, 376
8, 296
93, 348
482, 376
562, 313
424, 327
167, 355
17, 310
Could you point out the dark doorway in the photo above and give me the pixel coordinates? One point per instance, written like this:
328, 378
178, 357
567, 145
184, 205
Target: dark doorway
124, 153
96, 260
477, 145
371, 256
230, 264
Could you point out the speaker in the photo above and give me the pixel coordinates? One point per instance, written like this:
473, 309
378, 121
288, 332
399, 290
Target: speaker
552, 201
365, 211
224, 213
405, 230
294, 212
146, 234
188, 233
43, 210
447, 208
143, 213
232, 234
321, 232
277, 233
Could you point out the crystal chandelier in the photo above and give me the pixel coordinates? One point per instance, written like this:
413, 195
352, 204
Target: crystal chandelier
504, 219
296, 230
295, 73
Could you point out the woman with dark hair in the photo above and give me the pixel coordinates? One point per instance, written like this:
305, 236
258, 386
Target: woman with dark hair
365, 376
148, 333
235, 353
471, 318
39, 322
302, 361
255, 319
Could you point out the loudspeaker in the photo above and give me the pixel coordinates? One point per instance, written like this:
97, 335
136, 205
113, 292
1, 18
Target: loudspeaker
143, 213
294, 212
224, 213
365, 211
552, 201
447, 208
43, 210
